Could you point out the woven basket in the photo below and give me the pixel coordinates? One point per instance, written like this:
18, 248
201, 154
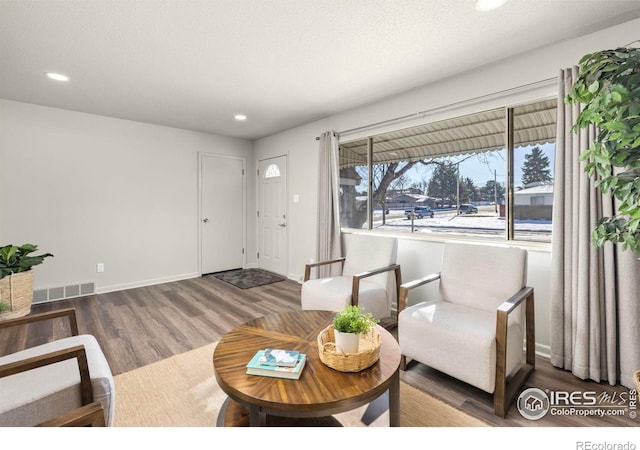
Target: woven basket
636, 380
332, 356
16, 292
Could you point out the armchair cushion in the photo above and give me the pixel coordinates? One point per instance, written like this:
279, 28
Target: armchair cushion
457, 340
33, 397
333, 294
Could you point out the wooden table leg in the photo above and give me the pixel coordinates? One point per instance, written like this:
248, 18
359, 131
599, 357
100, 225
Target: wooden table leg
394, 400
257, 418
222, 413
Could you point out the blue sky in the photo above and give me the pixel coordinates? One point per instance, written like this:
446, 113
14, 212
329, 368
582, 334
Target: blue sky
481, 172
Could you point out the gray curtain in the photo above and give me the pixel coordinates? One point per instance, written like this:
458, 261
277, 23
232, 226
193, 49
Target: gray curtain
595, 313
329, 245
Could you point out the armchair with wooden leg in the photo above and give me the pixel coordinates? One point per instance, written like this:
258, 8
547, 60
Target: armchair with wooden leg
369, 277
474, 329
66, 382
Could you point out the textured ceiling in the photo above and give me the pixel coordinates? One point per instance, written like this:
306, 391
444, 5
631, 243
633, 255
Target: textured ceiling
283, 63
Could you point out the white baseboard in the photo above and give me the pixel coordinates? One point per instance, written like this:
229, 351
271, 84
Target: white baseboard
543, 351
295, 277
143, 283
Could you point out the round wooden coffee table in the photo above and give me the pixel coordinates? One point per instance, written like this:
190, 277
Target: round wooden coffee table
320, 392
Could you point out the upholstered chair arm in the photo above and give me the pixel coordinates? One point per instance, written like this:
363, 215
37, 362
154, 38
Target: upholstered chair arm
505, 393
406, 287
355, 287
307, 267
91, 415
86, 390
70, 313
77, 352
510, 305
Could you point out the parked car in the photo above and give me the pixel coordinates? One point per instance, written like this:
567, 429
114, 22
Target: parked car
419, 212
467, 209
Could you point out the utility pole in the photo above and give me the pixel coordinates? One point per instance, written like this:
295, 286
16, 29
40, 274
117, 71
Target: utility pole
458, 188
495, 189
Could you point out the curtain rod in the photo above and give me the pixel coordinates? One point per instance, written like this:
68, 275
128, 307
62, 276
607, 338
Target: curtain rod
467, 102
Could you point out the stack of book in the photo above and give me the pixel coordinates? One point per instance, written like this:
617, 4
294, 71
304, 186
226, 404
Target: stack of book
277, 363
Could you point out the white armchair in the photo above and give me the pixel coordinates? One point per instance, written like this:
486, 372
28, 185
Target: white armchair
474, 329
369, 277
66, 382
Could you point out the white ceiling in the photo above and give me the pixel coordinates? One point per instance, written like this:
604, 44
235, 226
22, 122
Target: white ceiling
283, 63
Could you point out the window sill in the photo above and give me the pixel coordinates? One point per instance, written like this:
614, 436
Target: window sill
544, 247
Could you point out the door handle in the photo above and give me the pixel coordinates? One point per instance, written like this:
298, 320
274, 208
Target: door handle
205, 220
282, 225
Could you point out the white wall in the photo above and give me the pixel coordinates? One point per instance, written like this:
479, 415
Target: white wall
491, 86
92, 189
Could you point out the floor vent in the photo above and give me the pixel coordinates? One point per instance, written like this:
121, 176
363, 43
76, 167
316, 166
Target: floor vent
63, 292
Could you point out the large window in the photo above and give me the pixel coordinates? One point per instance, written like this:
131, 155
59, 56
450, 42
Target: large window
488, 174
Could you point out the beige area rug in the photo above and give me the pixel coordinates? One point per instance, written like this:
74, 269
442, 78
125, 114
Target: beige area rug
181, 391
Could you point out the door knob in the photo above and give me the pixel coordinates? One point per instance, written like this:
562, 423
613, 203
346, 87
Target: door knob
282, 225
205, 220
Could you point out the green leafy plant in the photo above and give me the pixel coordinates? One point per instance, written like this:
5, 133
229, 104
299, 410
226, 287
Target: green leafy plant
609, 87
3, 307
14, 259
353, 319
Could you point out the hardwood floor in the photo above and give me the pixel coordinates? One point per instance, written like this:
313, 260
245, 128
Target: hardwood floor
139, 326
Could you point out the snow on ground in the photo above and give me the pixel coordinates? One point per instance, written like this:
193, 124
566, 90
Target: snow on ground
486, 222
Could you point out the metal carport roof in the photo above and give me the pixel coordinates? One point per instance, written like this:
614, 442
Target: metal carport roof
534, 124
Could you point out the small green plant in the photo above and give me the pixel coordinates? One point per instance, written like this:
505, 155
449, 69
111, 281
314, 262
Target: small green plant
3, 307
14, 259
353, 319
609, 88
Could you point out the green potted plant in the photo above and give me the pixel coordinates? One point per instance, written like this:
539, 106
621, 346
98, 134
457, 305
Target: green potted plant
16, 279
609, 88
348, 325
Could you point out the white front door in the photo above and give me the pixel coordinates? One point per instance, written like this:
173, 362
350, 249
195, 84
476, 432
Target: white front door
222, 215
272, 215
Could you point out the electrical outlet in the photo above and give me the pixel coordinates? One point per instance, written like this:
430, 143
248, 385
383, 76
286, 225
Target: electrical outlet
100, 267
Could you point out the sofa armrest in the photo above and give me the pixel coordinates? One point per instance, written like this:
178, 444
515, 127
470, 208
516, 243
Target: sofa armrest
406, 287
78, 352
504, 392
307, 267
355, 286
91, 415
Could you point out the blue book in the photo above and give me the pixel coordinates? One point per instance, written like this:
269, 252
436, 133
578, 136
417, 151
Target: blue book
254, 367
285, 358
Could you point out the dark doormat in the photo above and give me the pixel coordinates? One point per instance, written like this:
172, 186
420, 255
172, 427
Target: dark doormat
248, 278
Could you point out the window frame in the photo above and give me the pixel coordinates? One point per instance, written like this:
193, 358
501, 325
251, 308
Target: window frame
510, 235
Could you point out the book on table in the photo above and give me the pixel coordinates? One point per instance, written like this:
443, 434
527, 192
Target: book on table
276, 357
254, 367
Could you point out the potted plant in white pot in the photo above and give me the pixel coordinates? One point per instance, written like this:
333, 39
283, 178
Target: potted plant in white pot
16, 279
348, 325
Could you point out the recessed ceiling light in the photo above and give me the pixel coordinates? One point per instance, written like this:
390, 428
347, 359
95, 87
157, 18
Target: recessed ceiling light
240, 117
489, 5
57, 76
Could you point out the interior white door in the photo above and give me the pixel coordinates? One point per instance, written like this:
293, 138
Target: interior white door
222, 215
272, 215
